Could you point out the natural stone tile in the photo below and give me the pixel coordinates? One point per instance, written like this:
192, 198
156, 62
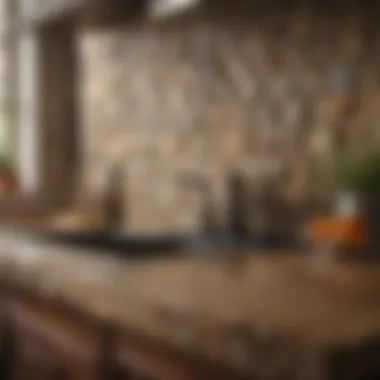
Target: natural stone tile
273, 97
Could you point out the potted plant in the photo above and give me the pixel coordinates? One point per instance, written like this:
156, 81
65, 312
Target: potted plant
7, 174
356, 175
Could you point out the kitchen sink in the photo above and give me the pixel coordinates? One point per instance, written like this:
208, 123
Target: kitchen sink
174, 244
113, 242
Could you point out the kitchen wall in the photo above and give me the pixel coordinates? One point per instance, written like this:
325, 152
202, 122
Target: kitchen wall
269, 91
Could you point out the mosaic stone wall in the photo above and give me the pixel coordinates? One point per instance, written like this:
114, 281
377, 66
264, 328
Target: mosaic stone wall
265, 90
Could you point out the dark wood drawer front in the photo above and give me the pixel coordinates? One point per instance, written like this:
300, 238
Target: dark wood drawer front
32, 358
52, 345
146, 360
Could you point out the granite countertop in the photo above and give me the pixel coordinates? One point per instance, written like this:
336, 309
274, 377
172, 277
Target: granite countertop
201, 304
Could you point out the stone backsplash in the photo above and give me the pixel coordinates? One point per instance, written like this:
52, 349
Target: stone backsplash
268, 91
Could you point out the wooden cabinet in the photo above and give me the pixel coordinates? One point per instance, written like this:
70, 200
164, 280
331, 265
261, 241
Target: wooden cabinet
47, 345
32, 358
139, 359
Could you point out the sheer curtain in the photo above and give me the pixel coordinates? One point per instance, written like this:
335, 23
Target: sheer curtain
28, 132
18, 93
5, 68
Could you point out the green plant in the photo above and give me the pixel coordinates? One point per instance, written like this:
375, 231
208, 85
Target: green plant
5, 165
357, 171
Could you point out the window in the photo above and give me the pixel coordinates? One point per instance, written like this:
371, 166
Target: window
18, 96
5, 71
163, 8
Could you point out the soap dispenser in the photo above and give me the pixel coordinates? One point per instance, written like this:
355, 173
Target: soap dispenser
114, 199
237, 223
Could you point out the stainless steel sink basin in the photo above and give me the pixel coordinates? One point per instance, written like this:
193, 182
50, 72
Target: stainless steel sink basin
147, 245
114, 242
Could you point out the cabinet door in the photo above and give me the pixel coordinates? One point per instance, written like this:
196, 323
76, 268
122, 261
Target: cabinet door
31, 357
141, 359
50, 345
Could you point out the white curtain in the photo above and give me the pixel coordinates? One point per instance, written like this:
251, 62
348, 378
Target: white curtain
4, 69
28, 134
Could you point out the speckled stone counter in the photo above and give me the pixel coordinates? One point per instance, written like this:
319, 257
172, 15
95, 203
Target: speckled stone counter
281, 303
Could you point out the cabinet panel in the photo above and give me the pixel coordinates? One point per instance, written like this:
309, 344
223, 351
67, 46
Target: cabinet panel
31, 358
48, 345
146, 360
52, 345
